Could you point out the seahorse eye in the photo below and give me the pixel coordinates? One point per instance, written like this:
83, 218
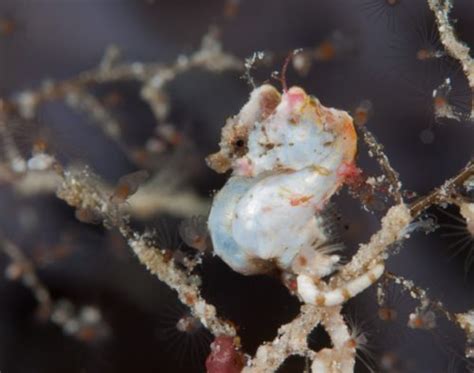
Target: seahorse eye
240, 147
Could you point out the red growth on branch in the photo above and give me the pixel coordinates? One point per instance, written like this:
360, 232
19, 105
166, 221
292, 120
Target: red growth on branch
225, 357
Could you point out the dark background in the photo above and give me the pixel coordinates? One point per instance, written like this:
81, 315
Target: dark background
57, 39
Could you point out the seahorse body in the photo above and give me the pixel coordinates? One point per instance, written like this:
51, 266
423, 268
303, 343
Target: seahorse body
286, 152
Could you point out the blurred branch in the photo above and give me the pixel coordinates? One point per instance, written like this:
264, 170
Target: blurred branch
80, 190
22, 267
445, 193
454, 47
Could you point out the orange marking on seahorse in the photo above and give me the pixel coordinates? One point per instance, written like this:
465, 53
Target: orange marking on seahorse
300, 200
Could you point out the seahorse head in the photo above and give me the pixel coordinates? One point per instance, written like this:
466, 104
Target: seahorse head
234, 136
283, 132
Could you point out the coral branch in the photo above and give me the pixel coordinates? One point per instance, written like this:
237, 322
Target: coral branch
291, 340
376, 149
420, 294
23, 268
393, 227
16, 162
445, 193
153, 75
80, 189
188, 291
454, 47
